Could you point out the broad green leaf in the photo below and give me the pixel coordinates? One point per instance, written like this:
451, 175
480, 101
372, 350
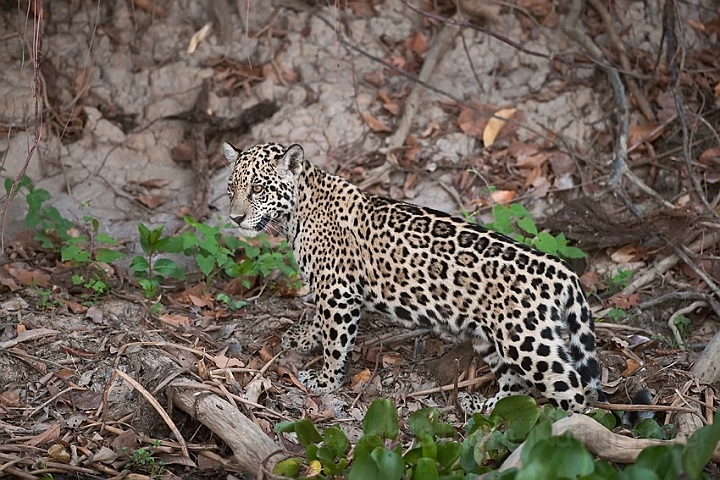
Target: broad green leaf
604, 418
546, 243
284, 427
428, 446
155, 235
518, 211
479, 421
206, 263
699, 448
444, 430
528, 225
557, 457
367, 444
664, 460
519, 413
106, 239
633, 472
448, 453
306, 432
648, 428
421, 421
364, 468
74, 253
108, 256
336, 439
139, 264
144, 238
288, 468
252, 252
381, 419
570, 252
170, 245
389, 463
165, 266
426, 469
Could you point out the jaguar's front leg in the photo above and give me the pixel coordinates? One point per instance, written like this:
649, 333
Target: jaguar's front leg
339, 312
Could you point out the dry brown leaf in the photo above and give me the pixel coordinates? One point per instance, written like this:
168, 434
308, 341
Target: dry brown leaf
375, 124
711, 156
154, 183
153, 7
362, 8
471, 122
65, 373
151, 201
82, 82
183, 152
532, 161
717, 90
643, 133
417, 43
391, 359
503, 196
202, 369
360, 378
10, 399
28, 277
285, 374
47, 436
561, 163
376, 78
632, 367
495, 125
74, 307
198, 37
620, 300
223, 361
392, 107
533, 178
175, 320
200, 301
624, 254
95, 314
590, 279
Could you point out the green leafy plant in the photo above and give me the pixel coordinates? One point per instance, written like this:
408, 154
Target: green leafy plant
214, 253
615, 314
229, 303
149, 271
142, 460
681, 322
621, 279
436, 454
515, 221
97, 286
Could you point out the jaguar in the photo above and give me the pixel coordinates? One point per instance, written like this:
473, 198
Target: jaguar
524, 311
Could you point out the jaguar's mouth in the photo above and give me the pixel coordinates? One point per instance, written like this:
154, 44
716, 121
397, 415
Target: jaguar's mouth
262, 223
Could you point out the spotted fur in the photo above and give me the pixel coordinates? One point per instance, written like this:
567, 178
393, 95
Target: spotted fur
524, 310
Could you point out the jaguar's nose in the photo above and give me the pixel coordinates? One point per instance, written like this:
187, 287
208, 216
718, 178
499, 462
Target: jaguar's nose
238, 219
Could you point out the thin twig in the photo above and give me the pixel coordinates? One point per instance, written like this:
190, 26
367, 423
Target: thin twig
671, 322
158, 408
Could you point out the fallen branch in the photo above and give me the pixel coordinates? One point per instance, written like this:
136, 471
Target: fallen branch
669, 262
599, 441
250, 445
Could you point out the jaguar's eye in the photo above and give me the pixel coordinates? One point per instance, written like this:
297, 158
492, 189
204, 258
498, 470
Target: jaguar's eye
257, 189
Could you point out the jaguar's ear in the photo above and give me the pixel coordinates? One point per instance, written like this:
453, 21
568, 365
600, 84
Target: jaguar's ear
231, 153
292, 161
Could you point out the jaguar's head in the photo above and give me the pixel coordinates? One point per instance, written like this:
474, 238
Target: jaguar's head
262, 187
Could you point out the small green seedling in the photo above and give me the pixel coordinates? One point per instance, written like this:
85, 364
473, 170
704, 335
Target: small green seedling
149, 271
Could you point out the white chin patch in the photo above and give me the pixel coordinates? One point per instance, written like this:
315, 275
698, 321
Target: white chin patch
248, 232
